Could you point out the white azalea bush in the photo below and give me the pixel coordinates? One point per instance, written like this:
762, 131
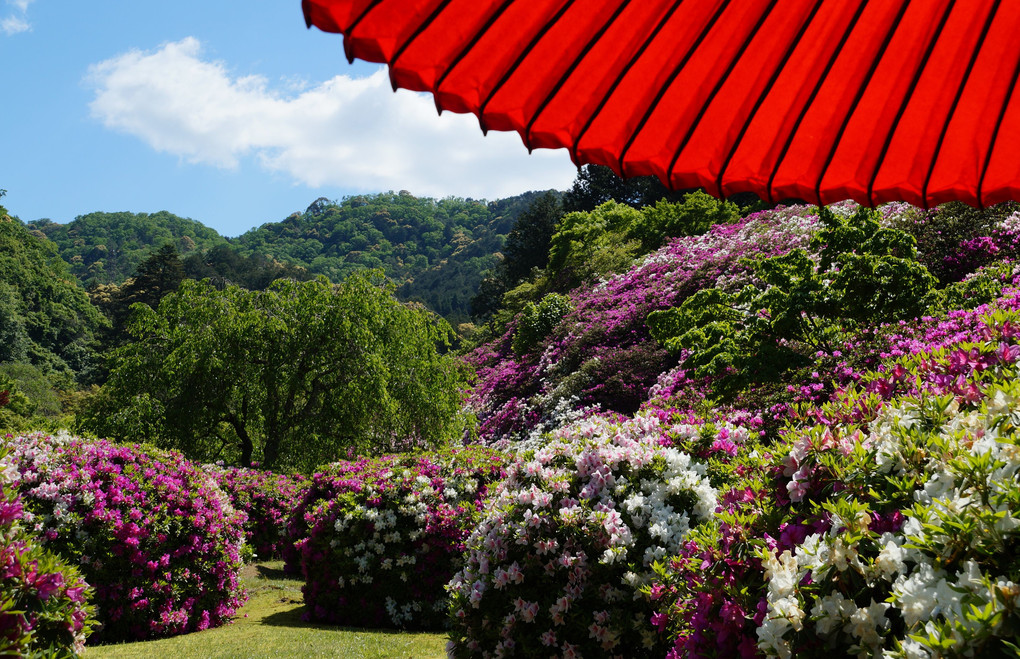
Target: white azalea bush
385, 534
557, 565
920, 556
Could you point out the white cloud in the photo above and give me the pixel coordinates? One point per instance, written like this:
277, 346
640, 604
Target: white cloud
18, 21
353, 133
14, 25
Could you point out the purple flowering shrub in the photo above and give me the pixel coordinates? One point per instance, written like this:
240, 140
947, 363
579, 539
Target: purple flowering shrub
267, 499
155, 537
600, 351
382, 546
881, 523
43, 600
569, 539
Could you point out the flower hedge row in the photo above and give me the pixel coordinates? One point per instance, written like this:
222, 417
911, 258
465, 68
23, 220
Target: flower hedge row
43, 609
384, 541
267, 499
152, 533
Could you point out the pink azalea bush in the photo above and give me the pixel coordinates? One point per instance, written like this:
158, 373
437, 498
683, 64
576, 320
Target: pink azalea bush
557, 565
155, 537
266, 498
43, 600
600, 353
382, 545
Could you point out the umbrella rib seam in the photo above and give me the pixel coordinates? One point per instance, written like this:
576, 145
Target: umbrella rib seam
792, 46
906, 100
956, 102
857, 99
570, 70
669, 81
619, 78
520, 58
811, 99
440, 8
348, 35
715, 90
995, 134
467, 47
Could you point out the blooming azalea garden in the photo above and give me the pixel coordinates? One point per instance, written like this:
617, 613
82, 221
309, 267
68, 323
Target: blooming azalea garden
791, 435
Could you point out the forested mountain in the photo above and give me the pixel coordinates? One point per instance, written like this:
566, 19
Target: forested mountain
105, 248
46, 319
434, 250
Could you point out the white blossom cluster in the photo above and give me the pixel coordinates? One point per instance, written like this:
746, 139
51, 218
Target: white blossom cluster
966, 469
595, 504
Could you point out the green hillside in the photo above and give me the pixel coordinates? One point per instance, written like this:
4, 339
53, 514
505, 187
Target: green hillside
106, 248
434, 250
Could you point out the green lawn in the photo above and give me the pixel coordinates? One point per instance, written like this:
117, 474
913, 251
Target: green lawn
270, 625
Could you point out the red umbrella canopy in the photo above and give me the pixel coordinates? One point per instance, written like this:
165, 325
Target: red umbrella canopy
819, 100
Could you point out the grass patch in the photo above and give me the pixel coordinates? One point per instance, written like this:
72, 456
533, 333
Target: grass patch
270, 625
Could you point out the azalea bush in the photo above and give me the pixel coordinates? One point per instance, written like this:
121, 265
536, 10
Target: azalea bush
880, 522
557, 565
155, 537
43, 600
267, 499
941, 458
600, 351
381, 547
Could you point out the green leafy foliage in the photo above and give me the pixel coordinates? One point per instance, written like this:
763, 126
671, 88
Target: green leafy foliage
537, 320
45, 317
864, 274
290, 376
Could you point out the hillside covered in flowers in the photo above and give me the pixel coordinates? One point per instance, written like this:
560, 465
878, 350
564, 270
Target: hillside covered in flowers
692, 430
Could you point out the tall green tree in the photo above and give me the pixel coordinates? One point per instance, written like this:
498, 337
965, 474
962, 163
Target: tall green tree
292, 376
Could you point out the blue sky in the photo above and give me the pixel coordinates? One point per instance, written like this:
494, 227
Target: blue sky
230, 113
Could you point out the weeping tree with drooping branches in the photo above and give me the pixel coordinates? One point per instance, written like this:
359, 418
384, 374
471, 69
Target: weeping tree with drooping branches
293, 376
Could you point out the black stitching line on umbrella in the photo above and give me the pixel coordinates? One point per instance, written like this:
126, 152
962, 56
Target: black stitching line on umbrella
417, 32
520, 58
570, 70
715, 90
350, 30
811, 98
995, 133
791, 46
906, 100
467, 47
669, 82
956, 101
857, 99
619, 77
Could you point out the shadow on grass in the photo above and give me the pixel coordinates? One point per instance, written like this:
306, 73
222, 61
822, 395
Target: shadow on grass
292, 618
267, 572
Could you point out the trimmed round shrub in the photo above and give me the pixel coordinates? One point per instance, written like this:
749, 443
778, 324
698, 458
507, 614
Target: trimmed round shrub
43, 609
560, 562
267, 498
381, 549
152, 533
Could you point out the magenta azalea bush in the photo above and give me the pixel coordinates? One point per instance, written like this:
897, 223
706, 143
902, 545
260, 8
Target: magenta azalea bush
267, 499
557, 565
153, 535
600, 353
382, 546
43, 600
